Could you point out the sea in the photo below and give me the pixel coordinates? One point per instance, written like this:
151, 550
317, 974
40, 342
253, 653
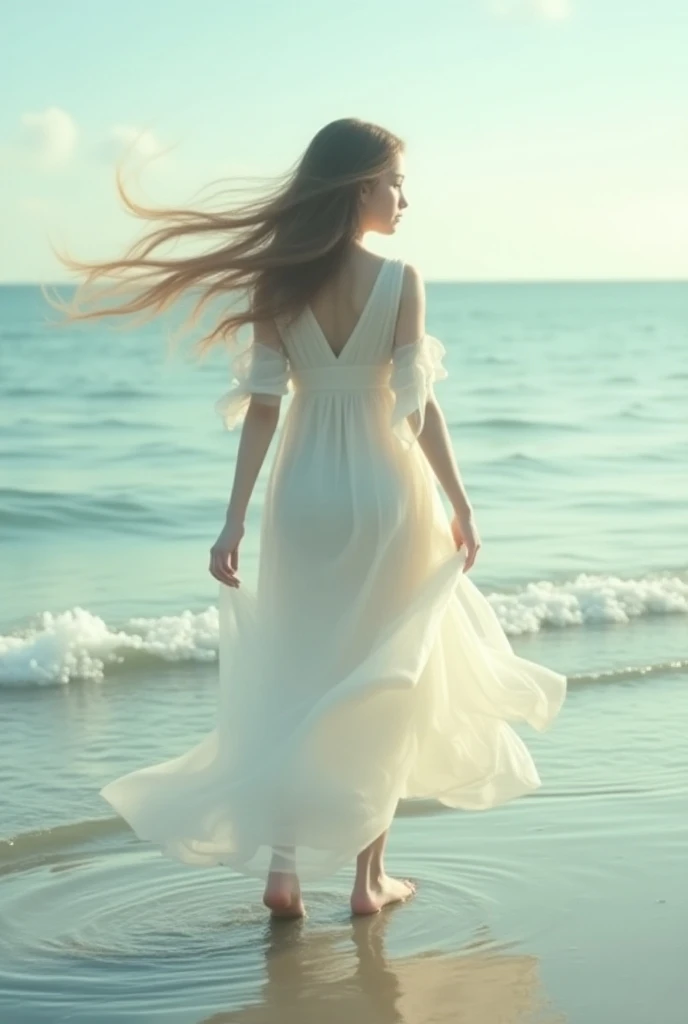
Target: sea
567, 406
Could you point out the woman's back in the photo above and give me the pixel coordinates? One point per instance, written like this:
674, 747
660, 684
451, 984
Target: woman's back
352, 329
340, 304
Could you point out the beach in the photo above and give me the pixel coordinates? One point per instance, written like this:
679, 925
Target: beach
566, 407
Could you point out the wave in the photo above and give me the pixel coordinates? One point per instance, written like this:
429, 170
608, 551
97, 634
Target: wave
46, 841
589, 600
29, 509
97, 423
28, 391
519, 423
517, 461
620, 675
78, 645
19, 335
120, 391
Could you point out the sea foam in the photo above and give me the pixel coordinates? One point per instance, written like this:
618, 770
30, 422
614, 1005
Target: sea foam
76, 644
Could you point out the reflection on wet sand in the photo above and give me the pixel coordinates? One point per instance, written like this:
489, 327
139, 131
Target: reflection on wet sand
320, 978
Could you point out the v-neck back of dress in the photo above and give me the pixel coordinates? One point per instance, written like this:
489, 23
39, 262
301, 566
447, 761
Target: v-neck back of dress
369, 342
361, 319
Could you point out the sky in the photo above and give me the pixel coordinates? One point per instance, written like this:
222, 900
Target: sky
546, 139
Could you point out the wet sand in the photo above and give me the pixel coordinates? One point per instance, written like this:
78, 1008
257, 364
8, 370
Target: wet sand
570, 905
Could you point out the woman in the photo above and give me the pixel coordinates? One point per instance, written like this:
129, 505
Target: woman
366, 668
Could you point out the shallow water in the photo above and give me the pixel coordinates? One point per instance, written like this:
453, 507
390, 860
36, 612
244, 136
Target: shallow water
567, 411
567, 905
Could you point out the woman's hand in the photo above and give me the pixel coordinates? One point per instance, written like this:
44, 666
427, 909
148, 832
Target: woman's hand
465, 533
224, 554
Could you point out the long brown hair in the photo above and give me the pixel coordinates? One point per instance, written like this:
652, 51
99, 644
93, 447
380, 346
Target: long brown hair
279, 249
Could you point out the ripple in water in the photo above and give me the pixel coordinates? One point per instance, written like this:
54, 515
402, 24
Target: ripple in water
117, 927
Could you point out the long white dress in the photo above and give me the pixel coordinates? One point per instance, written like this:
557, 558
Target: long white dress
366, 667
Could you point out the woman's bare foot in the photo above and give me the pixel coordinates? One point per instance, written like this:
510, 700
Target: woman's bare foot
283, 895
371, 897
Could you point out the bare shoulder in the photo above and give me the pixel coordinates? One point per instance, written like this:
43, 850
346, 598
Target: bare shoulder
410, 325
413, 279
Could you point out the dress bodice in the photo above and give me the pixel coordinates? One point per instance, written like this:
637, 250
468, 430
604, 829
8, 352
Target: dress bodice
368, 362
369, 343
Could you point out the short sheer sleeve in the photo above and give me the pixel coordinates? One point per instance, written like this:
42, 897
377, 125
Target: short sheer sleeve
415, 369
258, 370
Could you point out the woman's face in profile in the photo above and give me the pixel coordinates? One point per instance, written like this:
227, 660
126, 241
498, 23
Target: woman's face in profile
385, 202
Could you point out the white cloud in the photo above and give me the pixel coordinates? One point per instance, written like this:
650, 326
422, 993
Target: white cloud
50, 136
549, 10
124, 140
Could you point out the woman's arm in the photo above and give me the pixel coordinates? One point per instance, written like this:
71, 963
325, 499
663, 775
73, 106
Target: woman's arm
436, 443
260, 423
256, 434
429, 423
258, 428
434, 437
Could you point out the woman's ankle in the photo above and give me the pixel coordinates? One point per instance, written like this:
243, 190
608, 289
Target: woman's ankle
370, 875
